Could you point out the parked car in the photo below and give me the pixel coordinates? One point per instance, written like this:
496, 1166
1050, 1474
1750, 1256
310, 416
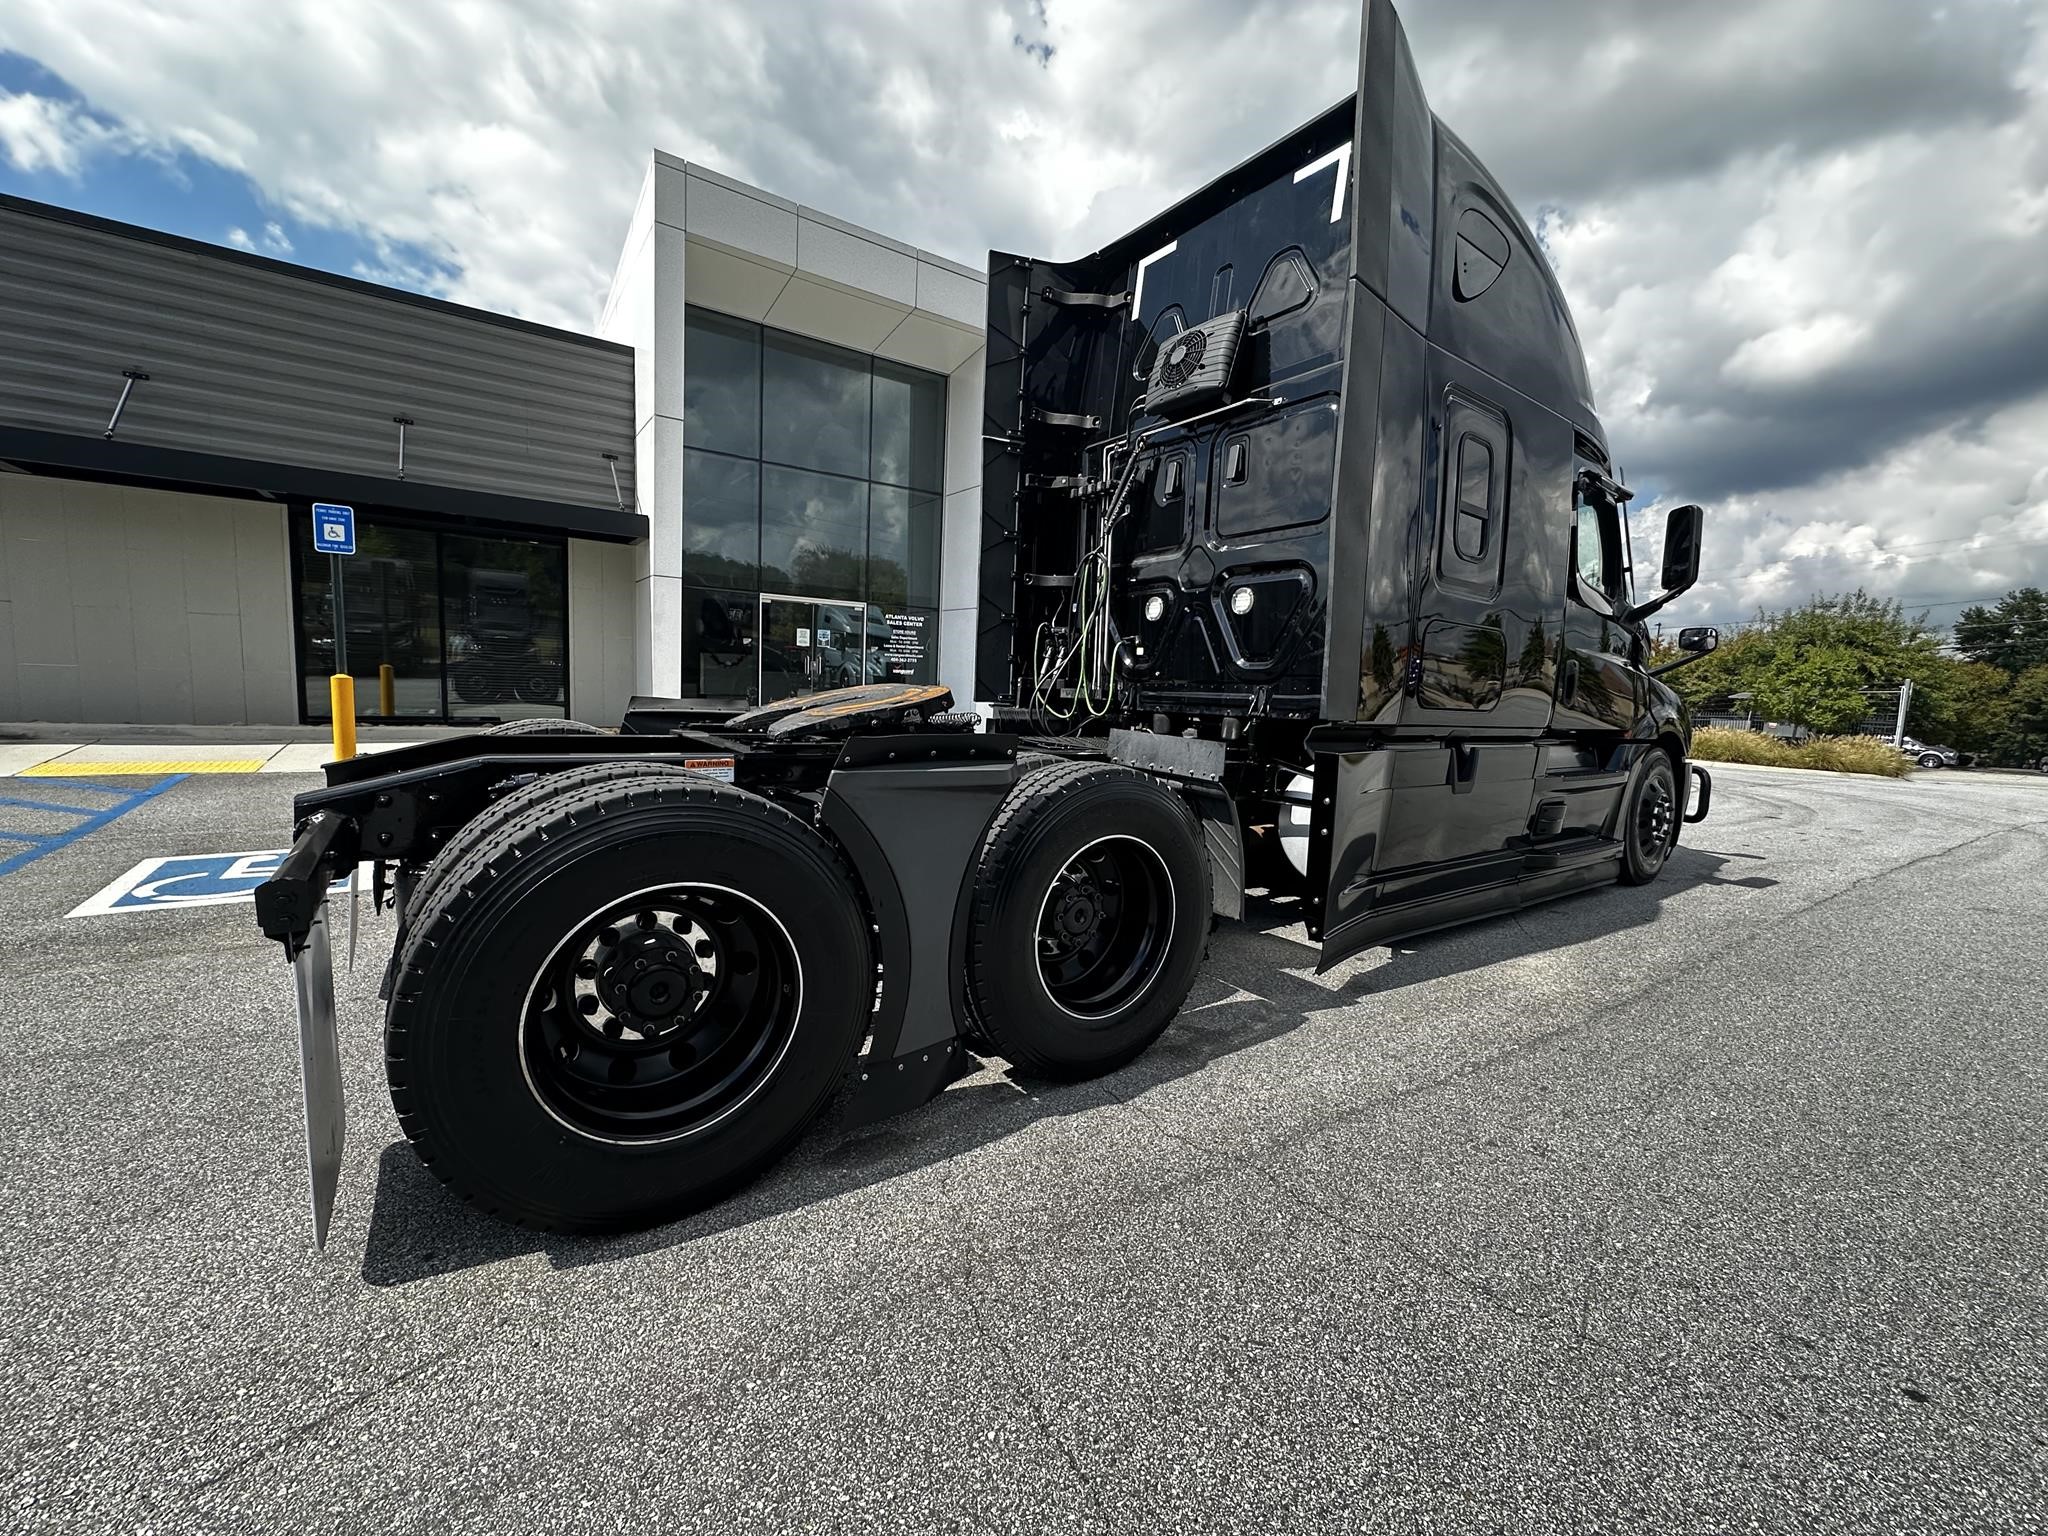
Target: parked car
1930, 756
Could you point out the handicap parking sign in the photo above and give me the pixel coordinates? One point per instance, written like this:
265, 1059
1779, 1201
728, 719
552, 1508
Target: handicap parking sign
187, 880
334, 528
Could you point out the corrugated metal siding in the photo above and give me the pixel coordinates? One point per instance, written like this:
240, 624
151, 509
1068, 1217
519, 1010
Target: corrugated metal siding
252, 362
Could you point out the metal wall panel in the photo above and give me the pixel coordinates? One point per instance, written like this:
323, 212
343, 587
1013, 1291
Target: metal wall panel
253, 360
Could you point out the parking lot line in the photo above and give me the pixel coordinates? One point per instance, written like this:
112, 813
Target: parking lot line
40, 843
46, 805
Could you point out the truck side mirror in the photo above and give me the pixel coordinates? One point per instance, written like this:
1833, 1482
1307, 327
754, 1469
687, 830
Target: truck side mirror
1682, 548
1695, 643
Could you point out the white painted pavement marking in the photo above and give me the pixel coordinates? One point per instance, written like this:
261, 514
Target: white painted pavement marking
186, 880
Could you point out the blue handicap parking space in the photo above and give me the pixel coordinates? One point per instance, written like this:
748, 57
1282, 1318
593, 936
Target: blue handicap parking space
187, 880
65, 810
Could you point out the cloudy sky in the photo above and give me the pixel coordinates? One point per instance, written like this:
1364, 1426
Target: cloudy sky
1806, 240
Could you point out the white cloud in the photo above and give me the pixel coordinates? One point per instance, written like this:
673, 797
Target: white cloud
38, 133
517, 169
1960, 512
1804, 248
238, 237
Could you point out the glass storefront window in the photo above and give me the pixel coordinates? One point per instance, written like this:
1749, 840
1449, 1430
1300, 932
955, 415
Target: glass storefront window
813, 534
903, 546
903, 644
811, 483
722, 533
814, 405
721, 384
472, 627
719, 656
391, 617
909, 445
502, 599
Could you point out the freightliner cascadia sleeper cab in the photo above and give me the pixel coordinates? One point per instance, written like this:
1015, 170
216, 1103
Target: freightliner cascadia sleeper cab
1305, 571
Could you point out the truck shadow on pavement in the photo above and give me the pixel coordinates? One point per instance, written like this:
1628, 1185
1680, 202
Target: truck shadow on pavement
1258, 985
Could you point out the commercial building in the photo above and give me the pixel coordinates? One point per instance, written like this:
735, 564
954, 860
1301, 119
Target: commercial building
760, 477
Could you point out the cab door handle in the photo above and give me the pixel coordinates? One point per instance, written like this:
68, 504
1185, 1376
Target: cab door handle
1568, 688
1464, 768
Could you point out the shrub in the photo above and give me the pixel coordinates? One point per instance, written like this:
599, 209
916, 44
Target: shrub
1837, 754
1721, 744
1855, 754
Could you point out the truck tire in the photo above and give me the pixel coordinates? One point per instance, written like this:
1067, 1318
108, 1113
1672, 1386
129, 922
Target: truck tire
1090, 918
542, 725
972, 1032
1649, 818
507, 808
602, 1018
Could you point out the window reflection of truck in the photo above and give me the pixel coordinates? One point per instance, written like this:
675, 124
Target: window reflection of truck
380, 612
496, 655
851, 658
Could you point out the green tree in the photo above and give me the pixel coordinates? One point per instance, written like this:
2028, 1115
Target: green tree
1966, 704
1813, 664
2012, 634
2026, 735
1819, 686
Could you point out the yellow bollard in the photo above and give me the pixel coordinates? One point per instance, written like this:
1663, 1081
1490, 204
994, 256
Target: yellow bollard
341, 701
387, 691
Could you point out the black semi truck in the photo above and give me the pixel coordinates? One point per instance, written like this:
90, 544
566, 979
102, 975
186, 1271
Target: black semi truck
1305, 569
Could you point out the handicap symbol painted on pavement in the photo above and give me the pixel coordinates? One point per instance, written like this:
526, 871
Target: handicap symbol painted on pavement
187, 880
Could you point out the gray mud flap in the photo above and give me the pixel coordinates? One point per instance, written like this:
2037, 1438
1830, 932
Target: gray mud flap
320, 1071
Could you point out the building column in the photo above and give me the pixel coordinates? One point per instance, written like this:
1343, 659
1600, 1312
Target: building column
960, 537
645, 310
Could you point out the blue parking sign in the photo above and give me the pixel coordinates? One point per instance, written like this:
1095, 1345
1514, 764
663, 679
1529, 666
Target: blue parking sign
334, 528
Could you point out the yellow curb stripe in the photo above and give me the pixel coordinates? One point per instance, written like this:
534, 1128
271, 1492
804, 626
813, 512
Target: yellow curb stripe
72, 767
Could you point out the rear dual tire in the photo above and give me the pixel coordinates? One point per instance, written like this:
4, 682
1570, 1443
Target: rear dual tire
624, 991
1090, 918
737, 1007
542, 725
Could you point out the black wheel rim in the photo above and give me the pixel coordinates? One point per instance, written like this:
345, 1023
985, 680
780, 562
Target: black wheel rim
659, 1016
1104, 928
1656, 818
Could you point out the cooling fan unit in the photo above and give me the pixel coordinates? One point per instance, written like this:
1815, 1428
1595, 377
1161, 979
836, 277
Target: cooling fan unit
1192, 371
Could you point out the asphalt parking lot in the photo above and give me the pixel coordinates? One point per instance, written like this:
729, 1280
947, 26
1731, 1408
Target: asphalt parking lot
1720, 1204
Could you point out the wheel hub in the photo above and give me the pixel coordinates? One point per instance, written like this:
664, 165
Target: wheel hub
643, 978
1103, 931
1080, 915
1657, 818
654, 1016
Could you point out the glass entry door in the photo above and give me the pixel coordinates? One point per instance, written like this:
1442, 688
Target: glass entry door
810, 647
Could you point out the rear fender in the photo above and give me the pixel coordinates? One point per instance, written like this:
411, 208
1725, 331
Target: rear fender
910, 812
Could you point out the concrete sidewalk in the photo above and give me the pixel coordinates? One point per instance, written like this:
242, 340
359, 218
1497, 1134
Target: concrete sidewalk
36, 749
71, 760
